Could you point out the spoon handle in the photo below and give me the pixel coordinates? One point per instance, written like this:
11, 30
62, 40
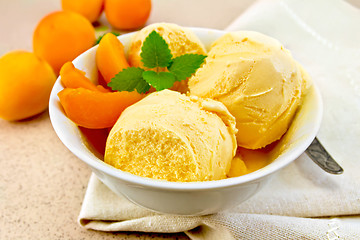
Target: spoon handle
321, 157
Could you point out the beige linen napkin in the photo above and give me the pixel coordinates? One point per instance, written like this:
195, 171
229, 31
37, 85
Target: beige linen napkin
324, 36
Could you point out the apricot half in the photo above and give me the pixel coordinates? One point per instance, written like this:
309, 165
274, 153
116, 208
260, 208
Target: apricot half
110, 57
94, 109
72, 77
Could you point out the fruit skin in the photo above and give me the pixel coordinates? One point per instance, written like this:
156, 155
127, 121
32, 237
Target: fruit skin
91, 9
127, 14
110, 57
25, 85
72, 77
61, 36
95, 109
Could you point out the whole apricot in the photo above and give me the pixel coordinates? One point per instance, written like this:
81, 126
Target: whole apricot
61, 36
25, 85
125, 14
91, 9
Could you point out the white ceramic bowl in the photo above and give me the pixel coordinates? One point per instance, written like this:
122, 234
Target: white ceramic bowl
196, 198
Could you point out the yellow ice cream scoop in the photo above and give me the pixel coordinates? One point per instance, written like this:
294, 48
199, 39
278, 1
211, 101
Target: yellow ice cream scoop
256, 78
180, 40
170, 136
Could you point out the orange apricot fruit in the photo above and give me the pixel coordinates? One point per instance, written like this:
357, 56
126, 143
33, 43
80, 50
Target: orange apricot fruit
72, 77
94, 109
96, 139
127, 15
238, 167
61, 36
102, 88
91, 9
110, 57
25, 85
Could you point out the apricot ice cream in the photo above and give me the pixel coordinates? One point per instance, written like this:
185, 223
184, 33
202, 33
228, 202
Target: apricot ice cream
170, 136
258, 81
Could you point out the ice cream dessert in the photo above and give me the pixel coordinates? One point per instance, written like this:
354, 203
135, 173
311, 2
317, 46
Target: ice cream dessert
179, 39
240, 101
170, 136
259, 82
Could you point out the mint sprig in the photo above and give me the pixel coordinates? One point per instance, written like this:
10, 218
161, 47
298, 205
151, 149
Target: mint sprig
155, 53
186, 65
159, 80
130, 79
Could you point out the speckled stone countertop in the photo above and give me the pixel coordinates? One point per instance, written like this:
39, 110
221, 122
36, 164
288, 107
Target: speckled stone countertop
42, 184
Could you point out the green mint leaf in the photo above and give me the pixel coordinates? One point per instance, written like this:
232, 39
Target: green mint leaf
129, 79
160, 80
155, 51
186, 65
100, 37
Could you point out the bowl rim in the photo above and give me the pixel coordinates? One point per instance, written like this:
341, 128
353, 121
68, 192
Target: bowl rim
274, 166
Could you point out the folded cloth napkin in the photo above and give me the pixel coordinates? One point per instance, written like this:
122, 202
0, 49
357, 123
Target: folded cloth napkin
324, 37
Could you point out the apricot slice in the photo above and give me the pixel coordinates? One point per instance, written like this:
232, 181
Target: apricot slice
95, 109
96, 139
102, 89
238, 167
110, 57
72, 77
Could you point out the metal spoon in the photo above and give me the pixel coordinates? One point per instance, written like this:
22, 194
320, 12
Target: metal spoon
321, 157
